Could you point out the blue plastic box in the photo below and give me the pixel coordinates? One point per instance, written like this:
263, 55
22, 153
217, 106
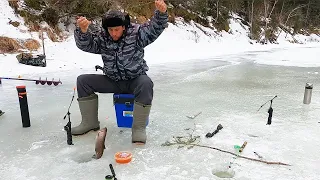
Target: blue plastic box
123, 105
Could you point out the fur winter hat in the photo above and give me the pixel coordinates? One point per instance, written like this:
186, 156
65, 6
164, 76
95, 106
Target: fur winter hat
115, 18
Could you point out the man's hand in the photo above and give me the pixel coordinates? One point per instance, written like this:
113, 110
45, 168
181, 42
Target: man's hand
161, 6
83, 23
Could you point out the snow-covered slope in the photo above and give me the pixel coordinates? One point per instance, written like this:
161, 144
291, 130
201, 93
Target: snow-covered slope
179, 42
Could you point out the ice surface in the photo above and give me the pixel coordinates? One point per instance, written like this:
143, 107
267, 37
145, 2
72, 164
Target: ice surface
226, 93
221, 75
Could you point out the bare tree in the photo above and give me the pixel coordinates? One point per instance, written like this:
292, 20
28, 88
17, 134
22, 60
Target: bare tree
308, 11
292, 11
251, 23
290, 15
217, 10
274, 5
267, 15
266, 7
282, 7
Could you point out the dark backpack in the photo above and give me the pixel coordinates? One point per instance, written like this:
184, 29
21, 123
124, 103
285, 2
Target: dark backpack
29, 59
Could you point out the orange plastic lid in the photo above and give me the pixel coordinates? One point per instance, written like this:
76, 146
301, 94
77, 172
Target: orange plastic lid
21, 87
123, 157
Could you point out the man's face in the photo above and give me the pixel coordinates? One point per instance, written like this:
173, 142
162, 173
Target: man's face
116, 32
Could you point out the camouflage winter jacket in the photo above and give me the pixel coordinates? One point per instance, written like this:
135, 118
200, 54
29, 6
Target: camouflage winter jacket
124, 59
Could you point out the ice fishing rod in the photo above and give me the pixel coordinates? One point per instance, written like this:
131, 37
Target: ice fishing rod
270, 110
68, 126
267, 102
38, 81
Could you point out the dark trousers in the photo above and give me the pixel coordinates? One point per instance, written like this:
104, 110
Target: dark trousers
141, 87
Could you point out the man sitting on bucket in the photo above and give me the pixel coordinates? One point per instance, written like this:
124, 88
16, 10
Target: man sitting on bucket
121, 45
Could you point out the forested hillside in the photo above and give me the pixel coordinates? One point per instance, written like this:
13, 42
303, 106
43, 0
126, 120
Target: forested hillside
266, 19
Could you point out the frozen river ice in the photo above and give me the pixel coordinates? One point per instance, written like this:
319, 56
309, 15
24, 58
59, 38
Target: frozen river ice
227, 90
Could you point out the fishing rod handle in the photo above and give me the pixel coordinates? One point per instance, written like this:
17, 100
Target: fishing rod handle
69, 135
243, 146
112, 170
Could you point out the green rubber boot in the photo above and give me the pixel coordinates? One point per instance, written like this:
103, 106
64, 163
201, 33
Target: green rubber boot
140, 116
89, 112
